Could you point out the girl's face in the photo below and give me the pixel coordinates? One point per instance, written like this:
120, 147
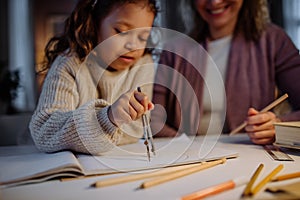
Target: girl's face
221, 15
130, 25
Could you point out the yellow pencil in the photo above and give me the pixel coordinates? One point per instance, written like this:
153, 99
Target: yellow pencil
266, 179
166, 178
287, 176
247, 190
135, 177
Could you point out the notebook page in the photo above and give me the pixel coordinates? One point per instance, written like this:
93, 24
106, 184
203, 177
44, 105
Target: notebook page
133, 157
16, 168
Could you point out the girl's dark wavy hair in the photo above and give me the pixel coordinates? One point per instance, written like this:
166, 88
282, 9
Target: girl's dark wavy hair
81, 29
252, 20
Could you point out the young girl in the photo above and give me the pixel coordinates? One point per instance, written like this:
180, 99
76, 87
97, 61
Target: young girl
89, 101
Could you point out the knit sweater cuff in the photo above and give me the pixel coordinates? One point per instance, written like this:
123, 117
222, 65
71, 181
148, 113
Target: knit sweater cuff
94, 129
108, 126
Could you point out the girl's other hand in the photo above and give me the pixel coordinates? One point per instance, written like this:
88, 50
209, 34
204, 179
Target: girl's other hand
260, 127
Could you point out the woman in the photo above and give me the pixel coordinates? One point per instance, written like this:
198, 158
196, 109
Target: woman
254, 57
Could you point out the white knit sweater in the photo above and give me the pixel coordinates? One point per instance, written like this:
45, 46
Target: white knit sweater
72, 110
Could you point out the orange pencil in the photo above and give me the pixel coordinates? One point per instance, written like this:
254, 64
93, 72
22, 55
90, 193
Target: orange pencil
216, 189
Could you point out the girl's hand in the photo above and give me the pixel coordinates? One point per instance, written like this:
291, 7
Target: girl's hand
260, 126
129, 107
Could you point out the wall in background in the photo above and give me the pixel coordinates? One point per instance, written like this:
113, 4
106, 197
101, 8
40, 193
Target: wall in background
276, 12
3, 32
292, 20
48, 18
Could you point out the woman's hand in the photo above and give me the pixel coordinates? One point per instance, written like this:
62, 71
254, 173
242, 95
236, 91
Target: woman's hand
260, 126
129, 107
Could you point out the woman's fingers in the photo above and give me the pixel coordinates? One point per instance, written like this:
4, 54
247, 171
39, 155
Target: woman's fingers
260, 127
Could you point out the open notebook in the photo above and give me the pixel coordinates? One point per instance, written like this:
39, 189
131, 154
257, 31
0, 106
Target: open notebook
38, 167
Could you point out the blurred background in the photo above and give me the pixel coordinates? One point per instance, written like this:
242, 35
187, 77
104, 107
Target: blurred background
27, 25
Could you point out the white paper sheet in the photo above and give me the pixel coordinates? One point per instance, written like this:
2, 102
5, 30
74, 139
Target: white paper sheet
133, 157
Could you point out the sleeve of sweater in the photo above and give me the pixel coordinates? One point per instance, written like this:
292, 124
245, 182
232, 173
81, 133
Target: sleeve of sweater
287, 61
59, 123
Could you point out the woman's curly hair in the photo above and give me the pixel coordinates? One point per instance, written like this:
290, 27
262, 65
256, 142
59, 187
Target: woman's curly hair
252, 20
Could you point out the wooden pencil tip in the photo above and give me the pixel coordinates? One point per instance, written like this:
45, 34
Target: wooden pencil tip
223, 160
97, 185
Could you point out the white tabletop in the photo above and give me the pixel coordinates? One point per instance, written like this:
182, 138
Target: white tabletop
250, 156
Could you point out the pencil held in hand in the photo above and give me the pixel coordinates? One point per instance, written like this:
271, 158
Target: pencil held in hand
266, 109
